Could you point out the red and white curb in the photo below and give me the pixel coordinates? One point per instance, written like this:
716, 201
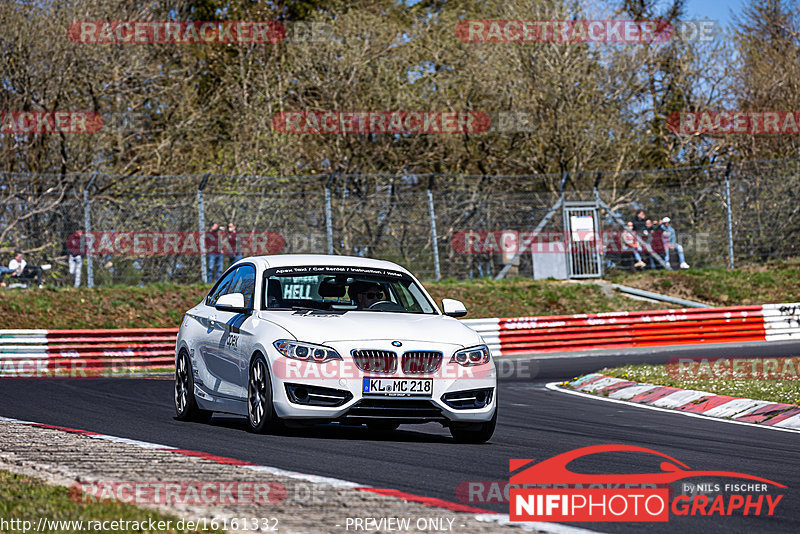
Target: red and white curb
479, 514
763, 414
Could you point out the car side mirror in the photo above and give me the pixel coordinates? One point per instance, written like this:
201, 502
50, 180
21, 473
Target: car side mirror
453, 308
232, 302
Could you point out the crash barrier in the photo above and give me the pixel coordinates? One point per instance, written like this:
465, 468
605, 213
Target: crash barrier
560, 333
54, 353
73, 352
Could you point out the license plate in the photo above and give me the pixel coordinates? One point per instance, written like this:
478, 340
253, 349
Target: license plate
398, 387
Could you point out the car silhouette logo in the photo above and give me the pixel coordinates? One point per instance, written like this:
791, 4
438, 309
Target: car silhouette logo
396, 344
554, 470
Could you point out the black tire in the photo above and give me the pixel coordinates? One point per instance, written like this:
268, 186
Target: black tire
260, 411
480, 433
382, 426
186, 408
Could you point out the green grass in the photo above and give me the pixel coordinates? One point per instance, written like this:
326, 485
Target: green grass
27, 499
785, 391
773, 282
163, 304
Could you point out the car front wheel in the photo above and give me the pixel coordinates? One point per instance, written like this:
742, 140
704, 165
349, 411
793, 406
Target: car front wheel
260, 412
476, 432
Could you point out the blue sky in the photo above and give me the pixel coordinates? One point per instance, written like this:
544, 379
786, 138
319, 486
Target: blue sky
720, 10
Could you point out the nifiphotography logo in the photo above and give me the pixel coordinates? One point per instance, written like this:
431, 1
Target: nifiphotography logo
549, 491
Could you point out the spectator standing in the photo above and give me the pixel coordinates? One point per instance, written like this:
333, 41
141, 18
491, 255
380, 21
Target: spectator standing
639, 222
24, 272
629, 242
647, 237
670, 239
233, 241
214, 253
75, 265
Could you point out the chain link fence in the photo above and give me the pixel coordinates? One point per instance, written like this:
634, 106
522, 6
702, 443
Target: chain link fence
135, 230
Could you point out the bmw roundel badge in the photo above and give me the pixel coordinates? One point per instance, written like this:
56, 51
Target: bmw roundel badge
396, 344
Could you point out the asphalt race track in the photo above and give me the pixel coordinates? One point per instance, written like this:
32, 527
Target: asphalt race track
534, 423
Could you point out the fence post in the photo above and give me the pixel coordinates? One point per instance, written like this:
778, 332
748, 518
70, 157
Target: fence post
728, 207
328, 214
87, 230
201, 223
434, 240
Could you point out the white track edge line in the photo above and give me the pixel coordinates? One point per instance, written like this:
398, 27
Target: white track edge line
499, 518
553, 386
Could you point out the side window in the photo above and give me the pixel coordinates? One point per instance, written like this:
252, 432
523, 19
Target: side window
244, 282
221, 288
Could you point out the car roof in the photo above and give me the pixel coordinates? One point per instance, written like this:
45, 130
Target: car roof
289, 260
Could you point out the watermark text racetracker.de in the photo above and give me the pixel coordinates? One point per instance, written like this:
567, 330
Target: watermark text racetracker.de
726, 122
585, 31
178, 493
204, 524
722, 368
166, 243
512, 241
50, 122
376, 122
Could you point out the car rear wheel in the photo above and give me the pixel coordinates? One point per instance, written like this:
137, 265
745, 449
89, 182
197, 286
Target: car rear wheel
186, 408
474, 433
260, 411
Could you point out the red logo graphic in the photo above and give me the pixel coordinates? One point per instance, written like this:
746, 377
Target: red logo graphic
47, 122
289, 369
621, 503
564, 31
720, 368
175, 32
372, 122
166, 243
171, 493
734, 122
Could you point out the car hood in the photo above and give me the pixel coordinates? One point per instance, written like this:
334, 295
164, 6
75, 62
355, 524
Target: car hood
358, 326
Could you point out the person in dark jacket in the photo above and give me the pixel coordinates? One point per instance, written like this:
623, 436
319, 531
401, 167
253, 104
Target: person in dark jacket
236, 254
639, 221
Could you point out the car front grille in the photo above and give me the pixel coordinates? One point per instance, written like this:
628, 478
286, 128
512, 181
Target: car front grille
408, 410
375, 361
421, 362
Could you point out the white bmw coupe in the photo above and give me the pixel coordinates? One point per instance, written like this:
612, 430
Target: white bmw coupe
320, 339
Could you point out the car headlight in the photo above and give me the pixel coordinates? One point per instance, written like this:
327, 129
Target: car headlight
307, 352
472, 356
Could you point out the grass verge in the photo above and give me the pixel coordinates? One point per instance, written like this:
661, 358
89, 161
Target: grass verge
24, 498
773, 282
162, 305
784, 390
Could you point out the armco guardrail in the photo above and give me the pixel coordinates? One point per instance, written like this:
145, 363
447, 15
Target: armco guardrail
76, 352
47, 353
562, 333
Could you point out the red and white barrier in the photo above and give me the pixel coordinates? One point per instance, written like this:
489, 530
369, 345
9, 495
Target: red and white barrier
99, 352
580, 332
78, 353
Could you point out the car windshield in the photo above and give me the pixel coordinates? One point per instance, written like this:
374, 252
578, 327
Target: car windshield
342, 289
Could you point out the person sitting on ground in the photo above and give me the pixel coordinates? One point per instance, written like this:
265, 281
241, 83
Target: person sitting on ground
24, 272
629, 242
670, 239
365, 294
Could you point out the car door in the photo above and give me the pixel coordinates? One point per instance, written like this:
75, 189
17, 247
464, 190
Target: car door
224, 356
